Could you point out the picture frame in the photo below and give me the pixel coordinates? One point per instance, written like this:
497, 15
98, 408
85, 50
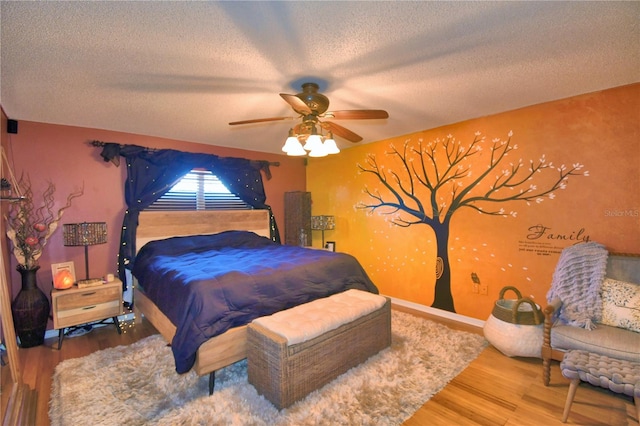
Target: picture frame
69, 266
330, 246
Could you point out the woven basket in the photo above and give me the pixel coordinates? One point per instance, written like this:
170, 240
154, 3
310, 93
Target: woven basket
522, 310
514, 339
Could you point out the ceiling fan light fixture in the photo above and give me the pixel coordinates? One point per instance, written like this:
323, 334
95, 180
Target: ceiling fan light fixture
311, 106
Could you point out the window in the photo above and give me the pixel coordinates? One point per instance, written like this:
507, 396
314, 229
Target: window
199, 190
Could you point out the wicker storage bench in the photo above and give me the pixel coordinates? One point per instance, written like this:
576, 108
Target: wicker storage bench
297, 351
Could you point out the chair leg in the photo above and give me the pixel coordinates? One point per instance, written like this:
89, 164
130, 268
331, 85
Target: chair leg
546, 371
573, 386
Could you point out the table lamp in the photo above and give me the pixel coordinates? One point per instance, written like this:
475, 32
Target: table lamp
85, 234
323, 223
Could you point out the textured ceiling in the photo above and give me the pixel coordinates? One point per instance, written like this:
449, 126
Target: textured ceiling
183, 70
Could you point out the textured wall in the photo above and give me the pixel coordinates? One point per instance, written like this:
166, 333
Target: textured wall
598, 133
62, 155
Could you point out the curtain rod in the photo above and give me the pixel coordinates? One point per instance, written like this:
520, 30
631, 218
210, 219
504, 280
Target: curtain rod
98, 143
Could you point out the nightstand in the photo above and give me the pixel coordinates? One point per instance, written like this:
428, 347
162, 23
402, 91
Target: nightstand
76, 306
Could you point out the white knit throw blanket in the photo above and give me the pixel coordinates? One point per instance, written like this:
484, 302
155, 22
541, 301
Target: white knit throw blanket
576, 281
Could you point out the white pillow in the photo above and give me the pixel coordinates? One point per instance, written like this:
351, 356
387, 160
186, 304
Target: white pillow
620, 304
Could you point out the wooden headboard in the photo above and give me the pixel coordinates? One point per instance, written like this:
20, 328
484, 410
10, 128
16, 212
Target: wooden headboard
157, 225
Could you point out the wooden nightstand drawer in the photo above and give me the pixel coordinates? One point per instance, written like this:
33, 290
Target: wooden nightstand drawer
75, 316
79, 306
85, 297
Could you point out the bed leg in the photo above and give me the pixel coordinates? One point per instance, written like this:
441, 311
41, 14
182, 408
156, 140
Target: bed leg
212, 381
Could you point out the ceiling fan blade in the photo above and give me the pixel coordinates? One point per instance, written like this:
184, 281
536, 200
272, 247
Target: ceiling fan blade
357, 114
342, 131
296, 103
260, 120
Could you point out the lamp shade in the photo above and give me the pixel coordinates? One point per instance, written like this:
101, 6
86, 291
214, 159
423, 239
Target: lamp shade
293, 147
84, 234
330, 146
318, 151
323, 223
313, 142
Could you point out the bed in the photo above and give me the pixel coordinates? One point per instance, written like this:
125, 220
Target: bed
229, 345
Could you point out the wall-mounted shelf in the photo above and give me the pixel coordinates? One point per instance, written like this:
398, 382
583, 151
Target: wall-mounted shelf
3, 198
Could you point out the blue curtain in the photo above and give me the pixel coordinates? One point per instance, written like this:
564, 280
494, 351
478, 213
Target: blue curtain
151, 173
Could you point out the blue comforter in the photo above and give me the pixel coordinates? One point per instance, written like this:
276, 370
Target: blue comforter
207, 284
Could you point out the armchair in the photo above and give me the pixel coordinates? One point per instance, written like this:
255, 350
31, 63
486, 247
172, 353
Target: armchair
609, 340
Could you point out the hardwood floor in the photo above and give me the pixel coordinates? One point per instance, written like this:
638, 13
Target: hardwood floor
493, 390
38, 363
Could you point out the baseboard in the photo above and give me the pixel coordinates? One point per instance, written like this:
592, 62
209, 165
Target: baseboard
400, 302
438, 312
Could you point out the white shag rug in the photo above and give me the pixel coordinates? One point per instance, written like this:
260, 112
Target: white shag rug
138, 385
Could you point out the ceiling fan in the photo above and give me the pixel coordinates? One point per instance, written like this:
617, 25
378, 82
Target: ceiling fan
311, 106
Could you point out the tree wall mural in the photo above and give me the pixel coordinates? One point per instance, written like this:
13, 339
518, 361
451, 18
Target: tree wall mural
436, 179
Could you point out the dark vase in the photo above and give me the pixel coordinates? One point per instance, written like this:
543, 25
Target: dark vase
30, 310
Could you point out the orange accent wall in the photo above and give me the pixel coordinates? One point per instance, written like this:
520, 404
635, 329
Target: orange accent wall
63, 155
599, 130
